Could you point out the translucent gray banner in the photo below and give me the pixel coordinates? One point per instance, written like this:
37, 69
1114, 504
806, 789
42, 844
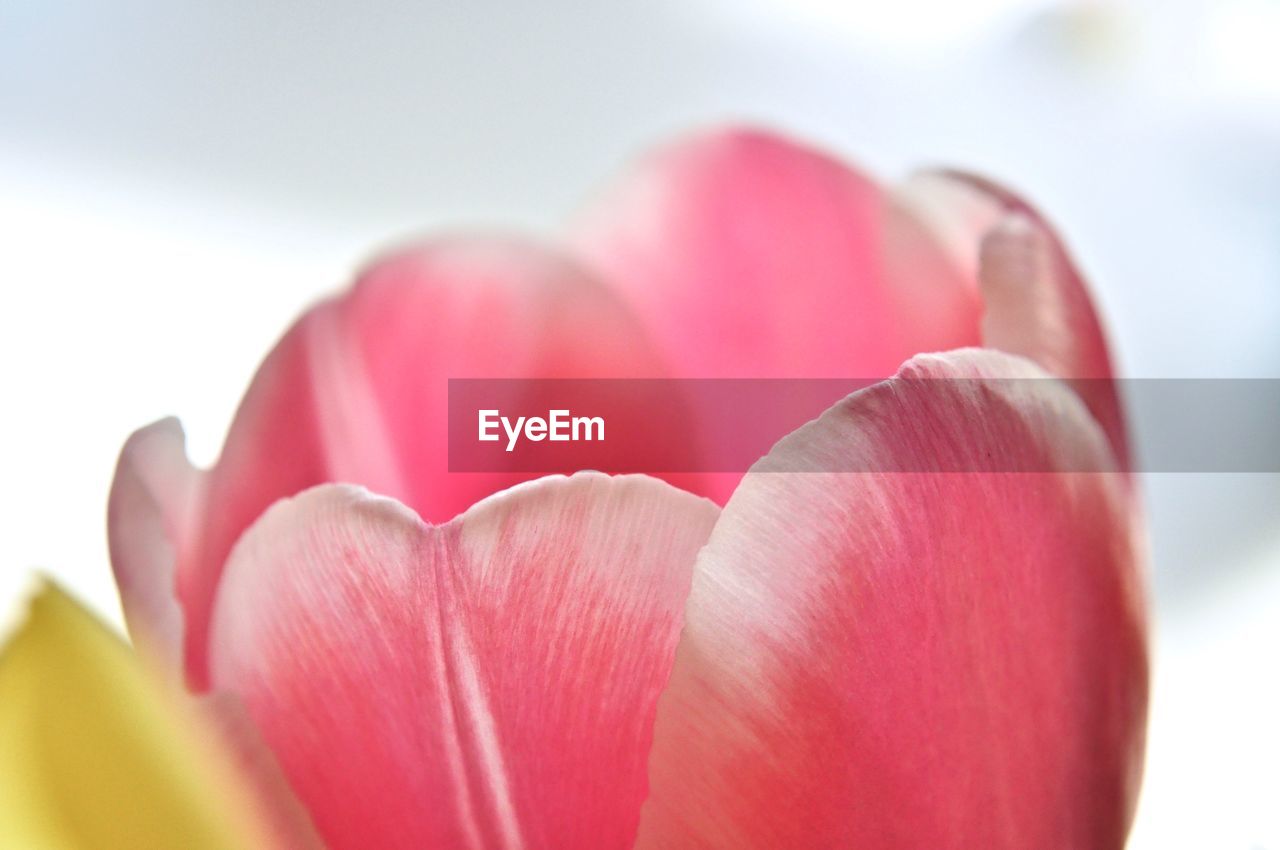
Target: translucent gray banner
726, 425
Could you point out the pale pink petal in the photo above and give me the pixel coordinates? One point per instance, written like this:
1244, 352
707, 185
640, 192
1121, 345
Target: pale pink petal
357, 391
752, 256
920, 660
486, 683
1036, 302
147, 518
274, 449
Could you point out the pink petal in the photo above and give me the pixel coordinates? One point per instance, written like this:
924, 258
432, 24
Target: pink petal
473, 309
489, 682
357, 390
913, 659
752, 256
147, 518
1036, 302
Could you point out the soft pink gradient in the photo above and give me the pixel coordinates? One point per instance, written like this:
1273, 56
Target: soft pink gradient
866, 660
913, 659
496, 677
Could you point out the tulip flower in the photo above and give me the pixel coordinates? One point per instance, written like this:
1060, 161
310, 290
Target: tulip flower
797, 657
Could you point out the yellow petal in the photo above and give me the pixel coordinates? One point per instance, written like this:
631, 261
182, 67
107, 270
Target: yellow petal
95, 754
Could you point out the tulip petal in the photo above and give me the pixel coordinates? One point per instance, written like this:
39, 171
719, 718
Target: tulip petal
490, 682
94, 754
753, 256
1036, 301
147, 518
910, 660
357, 391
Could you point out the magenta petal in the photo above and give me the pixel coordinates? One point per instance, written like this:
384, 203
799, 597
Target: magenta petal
488, 682
147, 523
749, 255
1036, 301
914, 660
357, 390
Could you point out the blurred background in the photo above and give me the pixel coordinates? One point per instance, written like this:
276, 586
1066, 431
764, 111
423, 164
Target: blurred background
178, 180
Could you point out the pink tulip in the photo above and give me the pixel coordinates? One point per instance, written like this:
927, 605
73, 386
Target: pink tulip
834, 659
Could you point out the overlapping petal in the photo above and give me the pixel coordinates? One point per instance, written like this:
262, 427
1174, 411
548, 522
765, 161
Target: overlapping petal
754, 256
148, 520
1036, 302
486, 683
357, 391
749, 255
932, 660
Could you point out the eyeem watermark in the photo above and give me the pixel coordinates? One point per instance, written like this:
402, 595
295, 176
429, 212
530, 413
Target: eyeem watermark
726, 425
560, 426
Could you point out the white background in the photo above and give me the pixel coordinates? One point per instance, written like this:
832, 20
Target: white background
178, 181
